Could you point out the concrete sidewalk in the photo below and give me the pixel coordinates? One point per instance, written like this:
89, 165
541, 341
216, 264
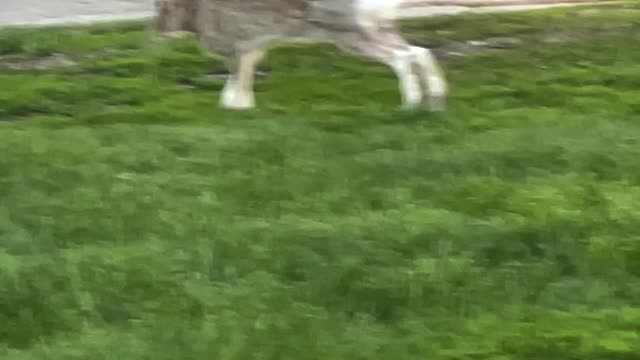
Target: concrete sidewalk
48, 12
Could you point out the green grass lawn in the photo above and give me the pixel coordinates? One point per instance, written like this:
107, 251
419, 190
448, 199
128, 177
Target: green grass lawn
140, 221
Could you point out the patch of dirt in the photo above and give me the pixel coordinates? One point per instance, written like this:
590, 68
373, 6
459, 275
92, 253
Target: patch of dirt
21, 63
456, 49
449, 50
471, 47
223, 76
558, 38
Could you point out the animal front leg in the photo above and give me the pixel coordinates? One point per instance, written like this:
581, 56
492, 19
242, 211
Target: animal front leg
430, 73
409, 85
238, 91
228, 93
400, 60
433, 78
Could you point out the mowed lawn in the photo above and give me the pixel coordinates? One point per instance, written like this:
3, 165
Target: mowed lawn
140, 221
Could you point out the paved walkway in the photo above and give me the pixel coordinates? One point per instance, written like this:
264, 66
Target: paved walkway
46, 12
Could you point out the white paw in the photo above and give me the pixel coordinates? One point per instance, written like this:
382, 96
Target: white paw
228, 93
438, 103
237, 100
437, 93
244, 101
413, 98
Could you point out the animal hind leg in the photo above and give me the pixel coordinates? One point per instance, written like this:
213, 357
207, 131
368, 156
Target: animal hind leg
228, 94
238, 91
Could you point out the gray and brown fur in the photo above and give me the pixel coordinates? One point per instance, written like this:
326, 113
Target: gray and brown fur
243, 30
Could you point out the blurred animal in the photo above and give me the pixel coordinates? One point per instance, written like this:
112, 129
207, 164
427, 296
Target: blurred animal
243, 30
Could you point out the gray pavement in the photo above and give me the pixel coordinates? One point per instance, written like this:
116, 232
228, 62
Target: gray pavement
47, 12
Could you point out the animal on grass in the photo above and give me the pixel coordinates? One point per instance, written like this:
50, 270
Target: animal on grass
243, 30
